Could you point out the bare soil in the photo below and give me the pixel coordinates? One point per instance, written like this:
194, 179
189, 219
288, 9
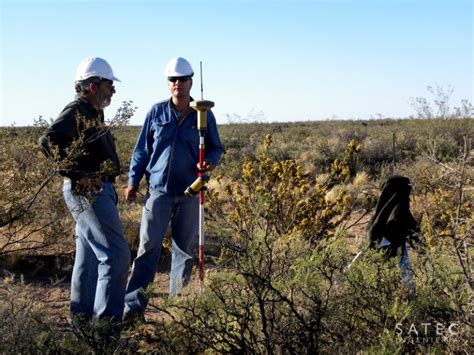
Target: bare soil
47, 277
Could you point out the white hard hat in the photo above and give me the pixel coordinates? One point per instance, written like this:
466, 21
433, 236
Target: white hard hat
94, 66
178, 67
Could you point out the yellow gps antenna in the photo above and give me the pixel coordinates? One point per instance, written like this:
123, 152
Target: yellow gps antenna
199, 185
201, 106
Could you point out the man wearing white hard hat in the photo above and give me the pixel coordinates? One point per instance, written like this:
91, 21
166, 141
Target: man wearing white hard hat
166, 153
85, 151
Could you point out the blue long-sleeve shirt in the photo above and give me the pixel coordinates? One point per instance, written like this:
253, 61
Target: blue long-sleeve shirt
167, 150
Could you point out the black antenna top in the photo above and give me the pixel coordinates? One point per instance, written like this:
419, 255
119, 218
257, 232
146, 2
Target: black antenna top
202, 90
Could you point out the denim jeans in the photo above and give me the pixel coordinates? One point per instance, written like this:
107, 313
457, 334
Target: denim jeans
159, 209
99, 276
406, 271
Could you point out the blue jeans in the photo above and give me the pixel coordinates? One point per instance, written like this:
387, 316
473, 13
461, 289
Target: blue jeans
406, 271
99, 276
159, 209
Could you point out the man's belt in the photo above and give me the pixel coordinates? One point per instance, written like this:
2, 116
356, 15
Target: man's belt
103, 178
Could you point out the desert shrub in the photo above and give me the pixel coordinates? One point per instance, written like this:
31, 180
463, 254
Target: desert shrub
286, 296
356, 133
445, 201
31, 212
406, 146
319, 143
326, 150
440, 106
444, 300
280, 210
23, 328
377, 151
285, 287
26, 328
360, 191
439, 143
285, 198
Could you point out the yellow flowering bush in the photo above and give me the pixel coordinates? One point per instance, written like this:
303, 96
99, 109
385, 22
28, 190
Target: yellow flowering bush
279, 197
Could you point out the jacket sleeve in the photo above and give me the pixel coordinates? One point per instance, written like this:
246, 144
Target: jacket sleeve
141, 153
60, 135
214, 147
377, 228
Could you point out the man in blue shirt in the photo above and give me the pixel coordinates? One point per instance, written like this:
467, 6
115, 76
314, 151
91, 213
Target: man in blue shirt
167, 154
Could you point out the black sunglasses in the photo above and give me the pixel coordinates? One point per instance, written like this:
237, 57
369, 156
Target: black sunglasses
182, 79
101, 80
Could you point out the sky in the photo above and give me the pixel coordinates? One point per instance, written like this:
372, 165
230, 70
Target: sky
263, 60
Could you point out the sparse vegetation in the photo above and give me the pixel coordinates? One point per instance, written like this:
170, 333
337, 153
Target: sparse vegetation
287, 205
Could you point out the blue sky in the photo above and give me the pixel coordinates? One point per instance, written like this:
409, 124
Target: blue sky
277, 60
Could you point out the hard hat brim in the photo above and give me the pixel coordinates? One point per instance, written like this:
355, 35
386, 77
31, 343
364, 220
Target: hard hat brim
108, 77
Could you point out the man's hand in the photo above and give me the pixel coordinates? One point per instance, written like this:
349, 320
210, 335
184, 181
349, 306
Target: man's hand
131, 193
205, 167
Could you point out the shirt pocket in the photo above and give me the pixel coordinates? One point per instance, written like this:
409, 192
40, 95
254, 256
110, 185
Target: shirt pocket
162, 130
192, 136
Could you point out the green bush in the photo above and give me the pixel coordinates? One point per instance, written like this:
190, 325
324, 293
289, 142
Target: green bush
280, 210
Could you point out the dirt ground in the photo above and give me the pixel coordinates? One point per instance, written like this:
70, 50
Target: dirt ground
48, 281
55, 296
51, 291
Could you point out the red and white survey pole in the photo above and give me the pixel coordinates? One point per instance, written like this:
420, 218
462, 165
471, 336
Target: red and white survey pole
201, 106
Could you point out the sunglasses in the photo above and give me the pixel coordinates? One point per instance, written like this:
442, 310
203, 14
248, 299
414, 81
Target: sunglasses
182, 79
101, 80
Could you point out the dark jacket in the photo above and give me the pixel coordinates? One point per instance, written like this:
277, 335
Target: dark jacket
85, 146
392, 218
